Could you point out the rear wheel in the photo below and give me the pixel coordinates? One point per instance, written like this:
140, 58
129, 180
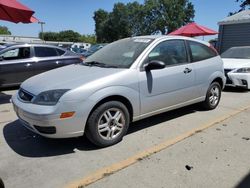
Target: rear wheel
107, 124
213, 96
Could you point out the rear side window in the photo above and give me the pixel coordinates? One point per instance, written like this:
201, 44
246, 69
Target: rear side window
45, 52
200, 51
60, 52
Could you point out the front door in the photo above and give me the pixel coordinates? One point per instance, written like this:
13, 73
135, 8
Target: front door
173, 85
16, 65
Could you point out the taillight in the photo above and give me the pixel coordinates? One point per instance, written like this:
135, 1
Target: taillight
82, 58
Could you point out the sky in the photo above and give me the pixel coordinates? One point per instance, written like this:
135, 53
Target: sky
77, 15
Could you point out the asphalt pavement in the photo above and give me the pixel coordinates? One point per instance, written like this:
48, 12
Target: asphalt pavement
188, 147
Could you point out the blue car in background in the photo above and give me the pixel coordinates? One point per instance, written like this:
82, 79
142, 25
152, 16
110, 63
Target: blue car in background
94, 48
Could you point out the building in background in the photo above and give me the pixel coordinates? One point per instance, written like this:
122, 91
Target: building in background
234, 31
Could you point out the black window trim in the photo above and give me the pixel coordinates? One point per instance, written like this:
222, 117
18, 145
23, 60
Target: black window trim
188, 51
57, 50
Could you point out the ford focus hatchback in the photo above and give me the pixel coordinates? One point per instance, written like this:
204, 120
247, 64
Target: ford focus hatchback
125, 81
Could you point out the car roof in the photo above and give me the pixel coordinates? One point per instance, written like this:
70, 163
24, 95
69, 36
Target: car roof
29, 45
159, 37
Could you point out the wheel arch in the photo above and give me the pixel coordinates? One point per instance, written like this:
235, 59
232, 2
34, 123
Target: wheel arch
118, 98
220, 81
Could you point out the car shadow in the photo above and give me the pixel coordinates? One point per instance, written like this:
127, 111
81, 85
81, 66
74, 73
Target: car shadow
4, 98
9, 88
235, 90
245, 182
164, 117
29, 144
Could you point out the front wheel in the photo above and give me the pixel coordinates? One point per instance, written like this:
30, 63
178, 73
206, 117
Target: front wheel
213, 96
107, 124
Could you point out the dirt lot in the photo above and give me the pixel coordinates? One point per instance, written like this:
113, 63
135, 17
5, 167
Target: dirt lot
188, 147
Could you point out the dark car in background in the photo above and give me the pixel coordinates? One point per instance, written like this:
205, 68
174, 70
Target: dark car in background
21, 61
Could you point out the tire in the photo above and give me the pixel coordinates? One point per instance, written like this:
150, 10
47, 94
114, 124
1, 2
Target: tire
213, 96
107, 124
1, 183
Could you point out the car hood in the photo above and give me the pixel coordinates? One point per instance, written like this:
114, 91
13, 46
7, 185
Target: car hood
235, 63
67, 77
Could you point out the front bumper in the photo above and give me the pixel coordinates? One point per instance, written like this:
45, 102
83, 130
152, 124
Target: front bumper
45, 120
238, 79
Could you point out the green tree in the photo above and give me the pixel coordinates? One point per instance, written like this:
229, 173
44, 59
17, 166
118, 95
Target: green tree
136, 18
66, 36
244, 4
49, 36
88, 39
117, 24
100, 18
4, 30
167, 15
69, 36
132, 19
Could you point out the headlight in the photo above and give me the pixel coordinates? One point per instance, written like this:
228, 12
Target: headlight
243, 70
50, 97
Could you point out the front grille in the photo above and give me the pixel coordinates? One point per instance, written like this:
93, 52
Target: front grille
228, 81
24, 95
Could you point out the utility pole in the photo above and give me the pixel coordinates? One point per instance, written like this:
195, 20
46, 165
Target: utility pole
42, 23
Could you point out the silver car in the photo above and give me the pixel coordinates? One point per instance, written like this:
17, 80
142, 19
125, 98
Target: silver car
125, 81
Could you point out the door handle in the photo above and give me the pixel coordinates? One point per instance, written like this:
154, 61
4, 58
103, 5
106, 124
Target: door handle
187, 70
27, 65
59, 62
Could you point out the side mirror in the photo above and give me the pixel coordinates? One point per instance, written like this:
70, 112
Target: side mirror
153, 65
1, 58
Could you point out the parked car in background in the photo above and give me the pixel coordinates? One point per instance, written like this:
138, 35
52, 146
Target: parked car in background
77, 50
125, 81
94, 48
237, 66
21, 61
2, 47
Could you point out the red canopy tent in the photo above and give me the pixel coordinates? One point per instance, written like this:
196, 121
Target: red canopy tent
193, 30
13, 11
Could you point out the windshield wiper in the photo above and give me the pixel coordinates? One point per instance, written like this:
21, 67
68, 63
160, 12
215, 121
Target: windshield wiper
98, 64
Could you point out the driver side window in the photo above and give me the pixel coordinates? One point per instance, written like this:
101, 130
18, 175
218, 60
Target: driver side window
16, 53
171, 52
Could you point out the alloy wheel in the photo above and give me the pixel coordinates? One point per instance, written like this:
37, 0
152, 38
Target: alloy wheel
111, 123
214, 95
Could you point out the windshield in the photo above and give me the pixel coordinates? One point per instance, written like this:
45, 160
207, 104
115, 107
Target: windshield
120, 54
237, 53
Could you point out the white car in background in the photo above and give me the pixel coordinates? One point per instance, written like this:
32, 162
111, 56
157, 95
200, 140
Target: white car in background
237, 66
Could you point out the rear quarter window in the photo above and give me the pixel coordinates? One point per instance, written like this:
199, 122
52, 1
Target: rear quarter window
200, 51
60, 52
